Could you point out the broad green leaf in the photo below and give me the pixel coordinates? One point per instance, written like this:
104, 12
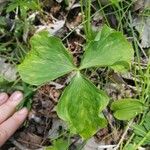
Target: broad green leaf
81, 106
110, 48
126, 109
59, 144
47, 60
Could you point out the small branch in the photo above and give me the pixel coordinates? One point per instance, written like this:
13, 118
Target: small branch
18, 145
106, 147
123, 136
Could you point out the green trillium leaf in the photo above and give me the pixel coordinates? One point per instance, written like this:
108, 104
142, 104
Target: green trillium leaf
59, 144
81, 103
110, 48
47, 60
127, 109
81, 106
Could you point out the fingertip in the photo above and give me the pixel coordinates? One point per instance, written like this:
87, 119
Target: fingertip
8, 127
16, 96
3, 98
3, 95
21, 114
23, 111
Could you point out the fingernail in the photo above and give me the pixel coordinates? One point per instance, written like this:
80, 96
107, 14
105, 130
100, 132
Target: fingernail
23, 111
3, 96
17, 96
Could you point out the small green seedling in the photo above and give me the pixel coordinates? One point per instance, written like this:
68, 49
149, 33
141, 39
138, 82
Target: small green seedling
23, 5
81, 103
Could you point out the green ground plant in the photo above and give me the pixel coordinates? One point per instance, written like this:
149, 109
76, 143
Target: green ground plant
23, 6
81, 104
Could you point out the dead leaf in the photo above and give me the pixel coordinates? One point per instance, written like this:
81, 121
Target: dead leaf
52, 28
91, 145
54, 131
97, 22
7, 71
75, 22
2, 1
142, 24
138, 5
147, 3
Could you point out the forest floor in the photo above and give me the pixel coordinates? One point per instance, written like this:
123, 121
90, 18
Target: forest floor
64, 19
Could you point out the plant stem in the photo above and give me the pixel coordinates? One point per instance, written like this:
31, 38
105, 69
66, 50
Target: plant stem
82, 11
84, 21
128, 142
100, 5
89, 19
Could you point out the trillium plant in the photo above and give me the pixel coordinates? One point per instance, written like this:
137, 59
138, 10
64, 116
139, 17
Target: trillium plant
81, 104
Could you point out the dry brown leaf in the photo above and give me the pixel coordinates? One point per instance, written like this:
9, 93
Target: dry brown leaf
7, 70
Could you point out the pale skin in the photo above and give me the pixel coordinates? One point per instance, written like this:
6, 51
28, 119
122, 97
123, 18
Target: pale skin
10, 120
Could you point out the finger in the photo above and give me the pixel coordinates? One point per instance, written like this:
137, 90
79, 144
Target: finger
8, 108
3, 98
9, 127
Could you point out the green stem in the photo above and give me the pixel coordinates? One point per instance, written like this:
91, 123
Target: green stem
87, 24
100, 5
130, 139
145, 88
143, 140
84, 22
124, 134
89, 18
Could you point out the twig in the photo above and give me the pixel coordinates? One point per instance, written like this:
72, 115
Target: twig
106, 146
124, 134
16, 17
33, 144
18, 145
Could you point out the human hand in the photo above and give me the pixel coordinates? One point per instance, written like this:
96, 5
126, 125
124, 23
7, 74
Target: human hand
9, 119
